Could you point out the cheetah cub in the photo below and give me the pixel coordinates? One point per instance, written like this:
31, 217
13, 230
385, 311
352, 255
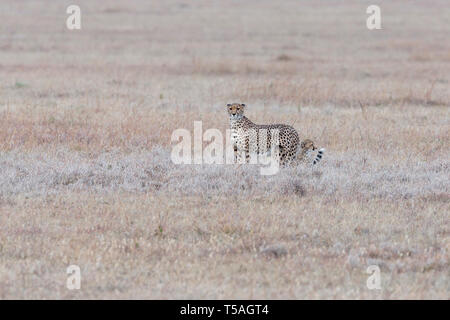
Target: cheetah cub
249, 138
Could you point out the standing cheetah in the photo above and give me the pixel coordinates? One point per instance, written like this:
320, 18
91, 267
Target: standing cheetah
248, 138
307, 146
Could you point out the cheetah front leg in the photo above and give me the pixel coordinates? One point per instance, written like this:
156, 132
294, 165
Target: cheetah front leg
242, 151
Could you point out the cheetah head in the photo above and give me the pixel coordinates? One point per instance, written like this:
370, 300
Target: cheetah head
235, 110
308, 145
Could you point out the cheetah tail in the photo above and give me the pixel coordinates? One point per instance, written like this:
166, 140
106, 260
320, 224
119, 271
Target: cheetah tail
319, 155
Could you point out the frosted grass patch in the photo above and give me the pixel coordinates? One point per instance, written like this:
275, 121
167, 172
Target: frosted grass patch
153, 171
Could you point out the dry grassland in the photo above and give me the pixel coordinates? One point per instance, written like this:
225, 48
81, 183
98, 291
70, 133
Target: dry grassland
86, 178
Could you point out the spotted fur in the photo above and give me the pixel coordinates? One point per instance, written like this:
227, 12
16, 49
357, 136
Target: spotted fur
244, 131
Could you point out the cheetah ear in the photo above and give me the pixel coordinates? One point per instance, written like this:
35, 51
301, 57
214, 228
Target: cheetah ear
228, 105
243, 104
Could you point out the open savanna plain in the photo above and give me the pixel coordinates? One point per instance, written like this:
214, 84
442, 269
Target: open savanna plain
86, 178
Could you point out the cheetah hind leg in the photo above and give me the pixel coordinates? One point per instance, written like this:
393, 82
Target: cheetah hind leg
282, 156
